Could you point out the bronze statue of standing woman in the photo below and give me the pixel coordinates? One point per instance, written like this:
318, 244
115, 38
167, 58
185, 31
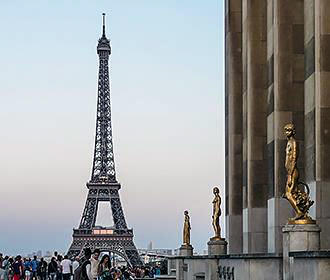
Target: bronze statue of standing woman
216, 245
186, 229
216, 214
294, 190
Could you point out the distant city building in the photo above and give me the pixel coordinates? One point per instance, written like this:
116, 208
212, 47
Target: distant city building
150, 245
48, 254
31, 255
154, 255
165, 252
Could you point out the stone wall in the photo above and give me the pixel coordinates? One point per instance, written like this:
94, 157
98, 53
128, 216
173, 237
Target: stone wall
238, 267
312, 265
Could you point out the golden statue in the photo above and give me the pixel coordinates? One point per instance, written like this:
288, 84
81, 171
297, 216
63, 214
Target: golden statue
295, 190
186, 229
216, 214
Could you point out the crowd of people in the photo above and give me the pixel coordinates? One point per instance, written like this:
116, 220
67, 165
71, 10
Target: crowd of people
91, 266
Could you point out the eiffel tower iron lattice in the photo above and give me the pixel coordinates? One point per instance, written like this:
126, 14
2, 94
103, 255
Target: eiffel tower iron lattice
103, 185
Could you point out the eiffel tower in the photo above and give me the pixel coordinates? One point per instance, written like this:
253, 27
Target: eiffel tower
103, 185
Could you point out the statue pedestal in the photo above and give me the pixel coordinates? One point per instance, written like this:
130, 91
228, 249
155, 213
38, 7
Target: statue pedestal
217, 246
186, 250
298, 238
301, 237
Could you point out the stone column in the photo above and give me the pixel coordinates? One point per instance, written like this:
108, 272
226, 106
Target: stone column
255, 126
233, 114
317, 111
285, 55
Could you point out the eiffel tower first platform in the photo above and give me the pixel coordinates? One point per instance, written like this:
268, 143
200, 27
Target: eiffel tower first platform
103, 185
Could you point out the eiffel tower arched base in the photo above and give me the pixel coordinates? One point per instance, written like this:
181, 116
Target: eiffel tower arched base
119, 244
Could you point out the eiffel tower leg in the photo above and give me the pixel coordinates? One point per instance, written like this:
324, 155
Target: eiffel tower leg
90, 211
133, 255
75, 249
72, 254
117, 210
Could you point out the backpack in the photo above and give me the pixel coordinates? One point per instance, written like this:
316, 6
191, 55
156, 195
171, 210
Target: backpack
77, 273
80, 272
52, 268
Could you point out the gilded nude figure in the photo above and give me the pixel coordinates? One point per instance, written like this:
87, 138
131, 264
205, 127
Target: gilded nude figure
294, 193
216, 213
186, 229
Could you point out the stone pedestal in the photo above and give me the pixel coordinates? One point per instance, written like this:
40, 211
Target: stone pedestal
186, 250
217, 247
301, 237
298, 238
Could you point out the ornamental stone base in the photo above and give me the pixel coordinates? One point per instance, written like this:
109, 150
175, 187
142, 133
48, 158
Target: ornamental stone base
217, 247
297, 238
186, 250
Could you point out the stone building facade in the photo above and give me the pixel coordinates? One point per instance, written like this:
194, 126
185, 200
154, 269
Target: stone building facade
277, 71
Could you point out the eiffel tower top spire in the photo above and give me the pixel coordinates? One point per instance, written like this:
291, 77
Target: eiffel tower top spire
103, 34
103, 163
104, 43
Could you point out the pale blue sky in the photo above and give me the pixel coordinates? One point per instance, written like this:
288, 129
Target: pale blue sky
167, 86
